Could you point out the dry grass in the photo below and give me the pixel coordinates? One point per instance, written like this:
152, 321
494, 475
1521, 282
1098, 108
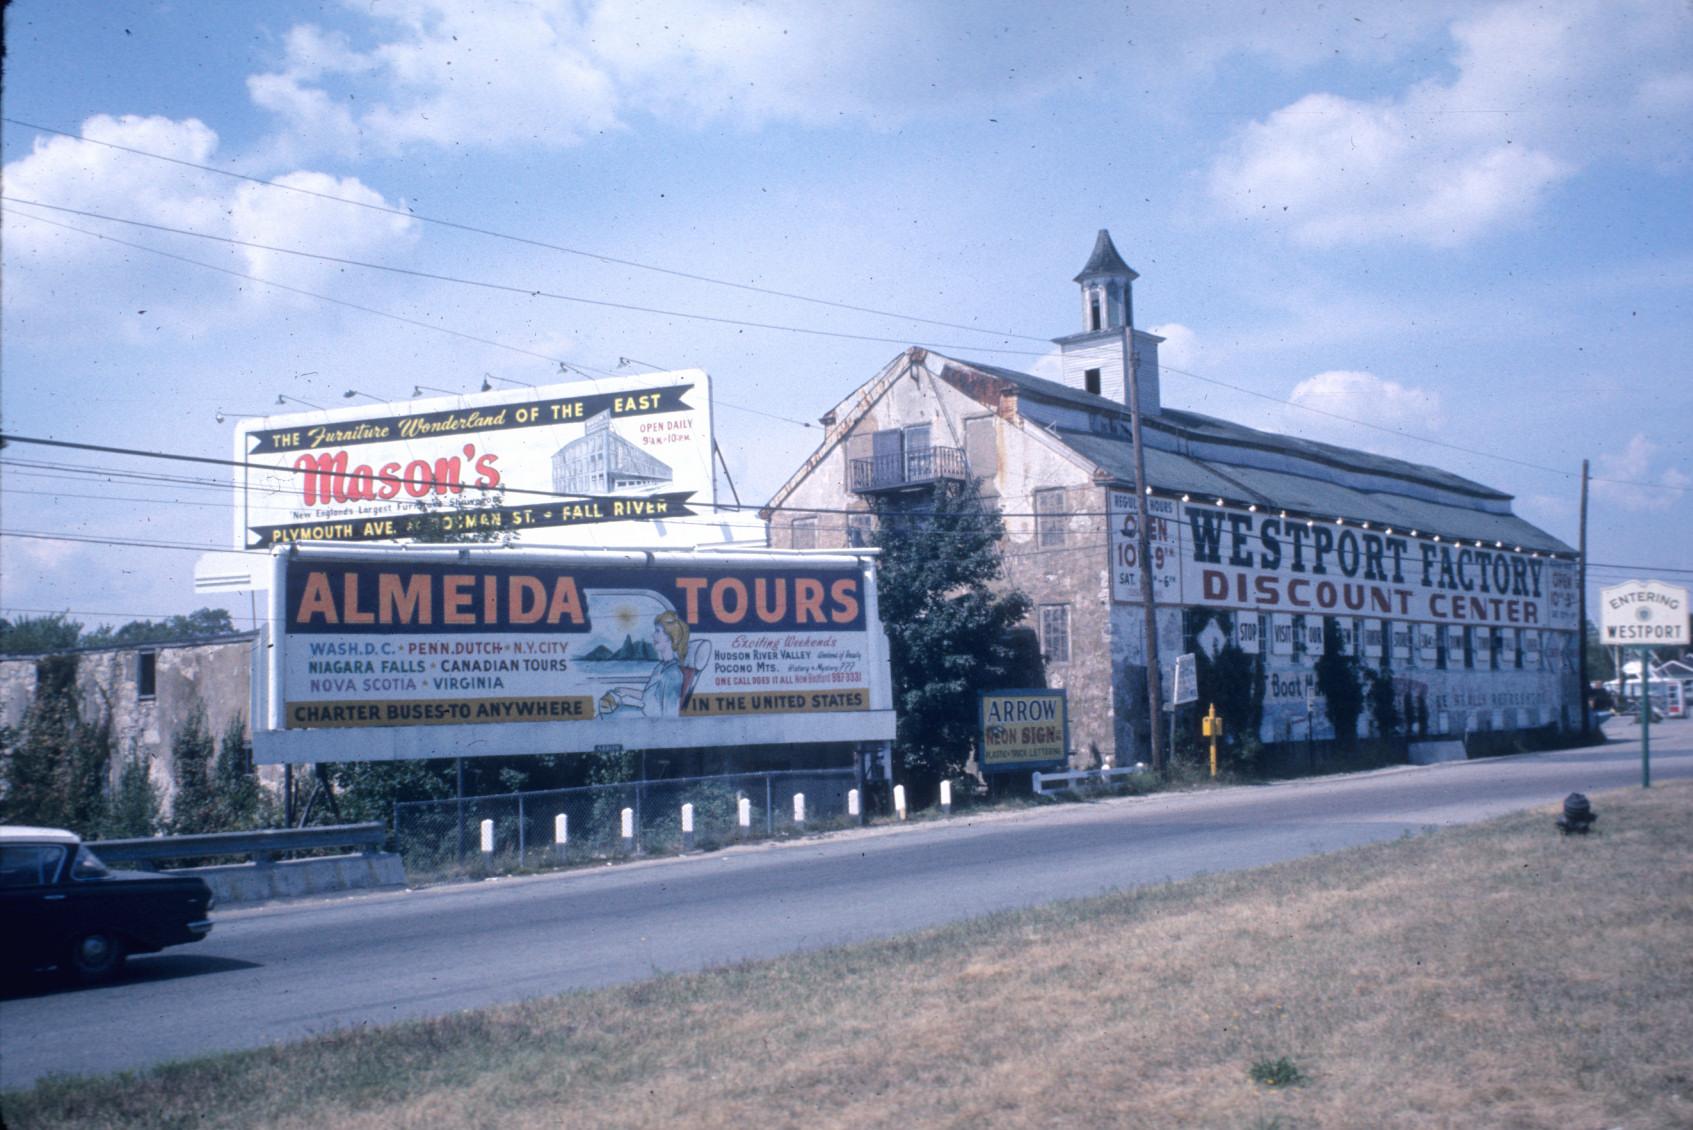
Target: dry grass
1493, 976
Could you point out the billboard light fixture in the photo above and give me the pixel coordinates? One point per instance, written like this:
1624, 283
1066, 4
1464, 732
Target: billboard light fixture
352, 392
284, 398
489, 377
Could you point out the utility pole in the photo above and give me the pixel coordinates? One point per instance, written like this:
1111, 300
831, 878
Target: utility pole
1143, 556
1581, 610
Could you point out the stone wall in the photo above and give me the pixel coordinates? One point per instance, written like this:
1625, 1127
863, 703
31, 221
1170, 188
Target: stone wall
215, 673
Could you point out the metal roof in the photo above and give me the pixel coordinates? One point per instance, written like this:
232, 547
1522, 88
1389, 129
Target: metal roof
1174, 440
1105, 260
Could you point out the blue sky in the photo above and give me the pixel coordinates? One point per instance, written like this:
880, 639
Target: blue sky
1466, 224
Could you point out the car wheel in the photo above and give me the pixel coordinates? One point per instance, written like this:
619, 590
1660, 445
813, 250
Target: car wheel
95, 957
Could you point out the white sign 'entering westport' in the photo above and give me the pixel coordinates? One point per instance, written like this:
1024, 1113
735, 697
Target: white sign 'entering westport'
1643, 614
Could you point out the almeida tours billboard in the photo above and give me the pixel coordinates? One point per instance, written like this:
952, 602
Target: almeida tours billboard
409, 652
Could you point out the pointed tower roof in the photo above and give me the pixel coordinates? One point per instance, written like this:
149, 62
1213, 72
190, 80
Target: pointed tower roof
1105, 260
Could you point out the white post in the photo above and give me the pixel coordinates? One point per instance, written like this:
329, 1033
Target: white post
487, 839
899, 801
799, 809
743, 816
946, 798
561, 835
852, 803
628, 829
687, 827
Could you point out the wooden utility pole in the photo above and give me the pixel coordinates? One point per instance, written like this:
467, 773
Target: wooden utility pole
1143, 557
1581, 609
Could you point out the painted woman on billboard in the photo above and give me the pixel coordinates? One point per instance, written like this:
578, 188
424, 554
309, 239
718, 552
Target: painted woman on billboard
668, 686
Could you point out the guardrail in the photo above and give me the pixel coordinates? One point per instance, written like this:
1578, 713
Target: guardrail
1072, 780
263, 845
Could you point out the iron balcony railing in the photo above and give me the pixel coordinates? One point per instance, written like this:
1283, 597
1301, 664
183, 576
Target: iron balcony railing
912, 468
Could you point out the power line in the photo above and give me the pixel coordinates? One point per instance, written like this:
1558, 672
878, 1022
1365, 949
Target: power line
505, 288
409, 214
537, 293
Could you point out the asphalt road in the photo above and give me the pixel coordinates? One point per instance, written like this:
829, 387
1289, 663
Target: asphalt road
282, 972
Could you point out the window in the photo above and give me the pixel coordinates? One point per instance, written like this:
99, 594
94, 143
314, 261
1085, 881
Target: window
1055, 632
919, 456
30, 865
1049, 517
860, 530
805, 533
147, 673
1091, 381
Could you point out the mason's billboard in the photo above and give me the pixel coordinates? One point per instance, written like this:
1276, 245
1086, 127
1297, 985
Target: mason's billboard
582, 463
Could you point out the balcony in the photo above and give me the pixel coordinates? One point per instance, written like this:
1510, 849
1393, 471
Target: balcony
917, 468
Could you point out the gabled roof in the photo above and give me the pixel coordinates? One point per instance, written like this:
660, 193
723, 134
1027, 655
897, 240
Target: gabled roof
1105, 260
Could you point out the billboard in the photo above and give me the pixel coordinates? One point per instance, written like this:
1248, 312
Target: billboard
1022, 729
1227, 557
581, 463
443, 652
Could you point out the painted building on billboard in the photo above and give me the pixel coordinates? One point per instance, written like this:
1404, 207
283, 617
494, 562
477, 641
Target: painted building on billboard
1256, 539
602, 462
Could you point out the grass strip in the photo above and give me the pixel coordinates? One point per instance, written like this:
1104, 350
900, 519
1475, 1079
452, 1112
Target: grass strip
1493, 975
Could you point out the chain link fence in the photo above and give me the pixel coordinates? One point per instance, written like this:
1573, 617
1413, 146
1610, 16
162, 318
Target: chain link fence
444, 836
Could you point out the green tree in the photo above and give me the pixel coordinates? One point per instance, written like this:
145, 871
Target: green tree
240, 799
1234, 681
31, 635
194, 807
54, 764
203, 623
1340, 686
136, 803
949, 632
1384, 701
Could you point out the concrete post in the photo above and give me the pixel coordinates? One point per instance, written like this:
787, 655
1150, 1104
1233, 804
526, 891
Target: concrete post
629, 829
687, 827
853, 809
487, 840
799, 810
899, 801
561, 835
946, 798
743, 816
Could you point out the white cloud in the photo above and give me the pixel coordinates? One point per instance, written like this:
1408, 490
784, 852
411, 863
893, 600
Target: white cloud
1537, 95
1180, 349
552, 73
103, 181
1623, 479
1324, 405
259, 214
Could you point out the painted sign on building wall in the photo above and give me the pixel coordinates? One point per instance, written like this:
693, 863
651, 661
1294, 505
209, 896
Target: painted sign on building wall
1232, 558
1023, 729
581, 463
623, 648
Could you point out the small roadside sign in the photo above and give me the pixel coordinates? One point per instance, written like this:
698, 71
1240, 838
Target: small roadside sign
1643, 614
1185, 686
1022, 729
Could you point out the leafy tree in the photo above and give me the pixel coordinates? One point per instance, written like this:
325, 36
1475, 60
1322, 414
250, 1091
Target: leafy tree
443, 521
30, 635
949, 633
203, 623
194, 807
239, 798
1234, 681
1383, 702
54, 765
136, 803
1338, 683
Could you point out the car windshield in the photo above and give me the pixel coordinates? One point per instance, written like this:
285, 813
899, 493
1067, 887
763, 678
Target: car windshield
88, 865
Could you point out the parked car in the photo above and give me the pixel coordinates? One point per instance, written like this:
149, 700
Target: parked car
62, 907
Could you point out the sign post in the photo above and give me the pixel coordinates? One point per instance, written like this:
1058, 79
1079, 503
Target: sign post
1646, 614
1212, 725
